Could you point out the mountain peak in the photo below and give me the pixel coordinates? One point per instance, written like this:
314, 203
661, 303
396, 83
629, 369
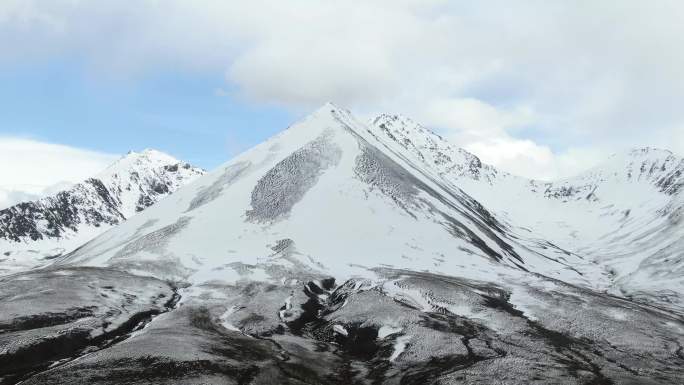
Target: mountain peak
136, 161
150, 154
129, 185
643, 155
652, 166
329, 108
431, 149
396, 120
650, 152
387, 117
327, 117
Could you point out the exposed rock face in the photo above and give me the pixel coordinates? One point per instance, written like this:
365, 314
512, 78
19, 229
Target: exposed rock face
429, 148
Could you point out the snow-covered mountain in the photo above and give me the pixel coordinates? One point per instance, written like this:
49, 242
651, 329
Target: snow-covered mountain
622, 216
48, 227
350, 253
396, 189
425, 147
635, 200
330, 171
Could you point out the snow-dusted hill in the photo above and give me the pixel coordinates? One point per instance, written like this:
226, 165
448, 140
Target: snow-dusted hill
48, 227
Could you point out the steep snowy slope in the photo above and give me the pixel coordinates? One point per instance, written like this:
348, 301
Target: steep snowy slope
622, 216
46, 228
635, 198
425, 147
325, 195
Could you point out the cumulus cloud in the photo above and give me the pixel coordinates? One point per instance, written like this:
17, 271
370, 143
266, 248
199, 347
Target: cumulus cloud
524, 157
31, 169
544, 80
475, 118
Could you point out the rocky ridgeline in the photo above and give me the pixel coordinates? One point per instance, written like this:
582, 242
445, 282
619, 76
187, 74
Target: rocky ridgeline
130, 185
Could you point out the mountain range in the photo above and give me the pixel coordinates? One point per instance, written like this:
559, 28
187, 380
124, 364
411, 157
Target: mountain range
623, 216
32, 233
342, 251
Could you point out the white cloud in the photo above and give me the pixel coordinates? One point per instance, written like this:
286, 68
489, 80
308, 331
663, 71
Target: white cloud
540, 75
524, 157
31, 169
484, 130
471, 118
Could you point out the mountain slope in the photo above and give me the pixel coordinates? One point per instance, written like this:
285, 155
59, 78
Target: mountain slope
48, 227
331, 172
425, 147
622, 216
335, 253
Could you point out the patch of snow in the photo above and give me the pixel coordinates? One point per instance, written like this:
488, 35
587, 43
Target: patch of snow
399, 347
288, 306
340, 330
385, 331
224, 319
412, 296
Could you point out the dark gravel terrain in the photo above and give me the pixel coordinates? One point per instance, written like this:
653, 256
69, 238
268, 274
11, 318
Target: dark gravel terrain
406, 328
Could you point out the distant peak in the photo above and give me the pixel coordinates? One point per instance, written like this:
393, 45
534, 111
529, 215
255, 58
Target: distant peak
150, 154
331, 111
649, 151
385, 118
330, 107
390, 120
644, 153
145, 159
150, 151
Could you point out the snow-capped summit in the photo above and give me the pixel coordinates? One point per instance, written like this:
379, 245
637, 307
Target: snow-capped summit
658, 166
146, 158
50, 226
139, 179
652, 167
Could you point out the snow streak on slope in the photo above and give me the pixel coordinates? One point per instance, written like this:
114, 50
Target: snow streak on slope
32, 231
325, 196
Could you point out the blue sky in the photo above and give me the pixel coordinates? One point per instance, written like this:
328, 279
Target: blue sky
543, 89
177, 112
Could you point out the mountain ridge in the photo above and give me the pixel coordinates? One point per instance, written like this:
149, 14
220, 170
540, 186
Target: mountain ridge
327, 156
52, 225
621, 215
